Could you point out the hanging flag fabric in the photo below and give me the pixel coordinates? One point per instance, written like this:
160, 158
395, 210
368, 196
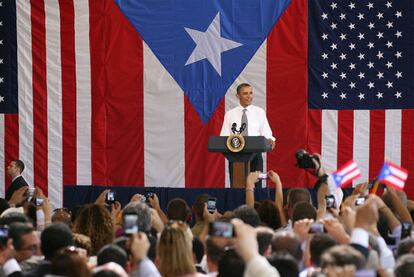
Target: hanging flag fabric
346, 174
393, 175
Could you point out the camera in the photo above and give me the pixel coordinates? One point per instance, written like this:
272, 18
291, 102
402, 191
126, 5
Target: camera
304, 159
39, 201
4, 235
330, 201
221, 229
405, 229
360, 201
316, 228
130, 224
110, 197
262, 176
148, 195
211, 204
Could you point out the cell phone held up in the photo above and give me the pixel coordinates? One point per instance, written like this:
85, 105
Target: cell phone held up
4, 234
330, 201
110, 197
130, 224
221, 229
405, 230
211, 204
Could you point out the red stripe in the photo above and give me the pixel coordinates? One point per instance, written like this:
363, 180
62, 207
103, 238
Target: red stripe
287, 57
376, 142
202, 169
40, 149
11, 142
67, 36
345, 137
407, 149
117, 122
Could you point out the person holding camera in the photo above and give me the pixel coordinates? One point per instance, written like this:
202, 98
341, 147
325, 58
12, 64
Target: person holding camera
253, 119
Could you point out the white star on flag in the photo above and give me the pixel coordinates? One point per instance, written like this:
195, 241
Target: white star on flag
210, 44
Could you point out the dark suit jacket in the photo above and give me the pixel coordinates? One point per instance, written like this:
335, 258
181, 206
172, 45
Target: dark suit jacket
42, 270
15, 185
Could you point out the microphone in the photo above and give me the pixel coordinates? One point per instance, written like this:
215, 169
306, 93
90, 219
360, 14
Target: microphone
243, 126
233, 127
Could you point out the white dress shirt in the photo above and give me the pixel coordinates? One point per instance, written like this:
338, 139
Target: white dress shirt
257, 122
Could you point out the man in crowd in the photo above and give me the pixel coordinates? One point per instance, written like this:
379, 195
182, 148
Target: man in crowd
14, 170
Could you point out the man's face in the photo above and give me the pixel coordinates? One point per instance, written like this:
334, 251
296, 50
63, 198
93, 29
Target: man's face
245, 96
12, 169
30, 247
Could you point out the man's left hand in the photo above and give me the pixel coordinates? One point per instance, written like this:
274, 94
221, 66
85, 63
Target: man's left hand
273, 143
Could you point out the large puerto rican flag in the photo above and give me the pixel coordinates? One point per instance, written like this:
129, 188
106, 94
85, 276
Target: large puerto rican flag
127, 92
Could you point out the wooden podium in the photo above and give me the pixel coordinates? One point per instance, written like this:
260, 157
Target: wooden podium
240, 161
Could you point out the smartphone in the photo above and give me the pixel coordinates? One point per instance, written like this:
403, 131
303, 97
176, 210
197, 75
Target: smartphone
221, 229
330, 201
360, 201
148, 195
39, 201
111, 197
262, 176
4, 235
316, 228
211, 204
405, 229
30, 193
130, 224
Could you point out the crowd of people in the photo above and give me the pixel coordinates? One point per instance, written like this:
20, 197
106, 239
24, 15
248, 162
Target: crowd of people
359, 234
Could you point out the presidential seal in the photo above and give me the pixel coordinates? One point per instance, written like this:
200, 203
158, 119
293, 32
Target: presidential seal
235, 143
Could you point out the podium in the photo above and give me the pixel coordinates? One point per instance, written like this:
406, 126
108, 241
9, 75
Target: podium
239, 161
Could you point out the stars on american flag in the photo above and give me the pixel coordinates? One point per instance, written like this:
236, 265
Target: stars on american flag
360, 51
1, 98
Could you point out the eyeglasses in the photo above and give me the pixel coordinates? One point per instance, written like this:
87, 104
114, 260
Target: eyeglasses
66, 210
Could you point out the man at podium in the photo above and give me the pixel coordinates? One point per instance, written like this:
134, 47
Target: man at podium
253, 119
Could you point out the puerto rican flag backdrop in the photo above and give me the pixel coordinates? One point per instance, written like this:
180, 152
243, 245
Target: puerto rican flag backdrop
104, 92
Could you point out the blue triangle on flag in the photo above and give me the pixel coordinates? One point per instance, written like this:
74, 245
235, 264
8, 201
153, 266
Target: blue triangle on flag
203, 44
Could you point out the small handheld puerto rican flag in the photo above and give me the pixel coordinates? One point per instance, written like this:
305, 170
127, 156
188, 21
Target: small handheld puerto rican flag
393, 175
346, 173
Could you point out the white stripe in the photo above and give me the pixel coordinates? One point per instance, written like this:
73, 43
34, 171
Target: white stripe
392, 151
329, 139
83, 93
350, 176
395, 181
361, 143
347, 169
24, 69
164, 156
54, 102
2, 157
255, 74
398, 172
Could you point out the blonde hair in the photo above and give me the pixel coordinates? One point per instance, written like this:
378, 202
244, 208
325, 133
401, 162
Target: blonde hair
175, 251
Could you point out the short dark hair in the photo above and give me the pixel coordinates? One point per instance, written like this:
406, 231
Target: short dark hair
230, 264
247, 215
17, 231
296, 195
242, 85
318, 245
177, 209
19, 164
55, 237
269, 214
303, 210
289, 242
213, 251
342, 255
404, 266
405, 247
112, 253
285, 264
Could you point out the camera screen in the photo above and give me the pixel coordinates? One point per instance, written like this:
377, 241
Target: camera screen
4, 234
360, 201
330, 201
316, 228
221, 229
211, 204
262, 176
110, 197
130, 223
39, 201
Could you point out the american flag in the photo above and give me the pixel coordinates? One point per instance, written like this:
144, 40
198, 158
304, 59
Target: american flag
100, 103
